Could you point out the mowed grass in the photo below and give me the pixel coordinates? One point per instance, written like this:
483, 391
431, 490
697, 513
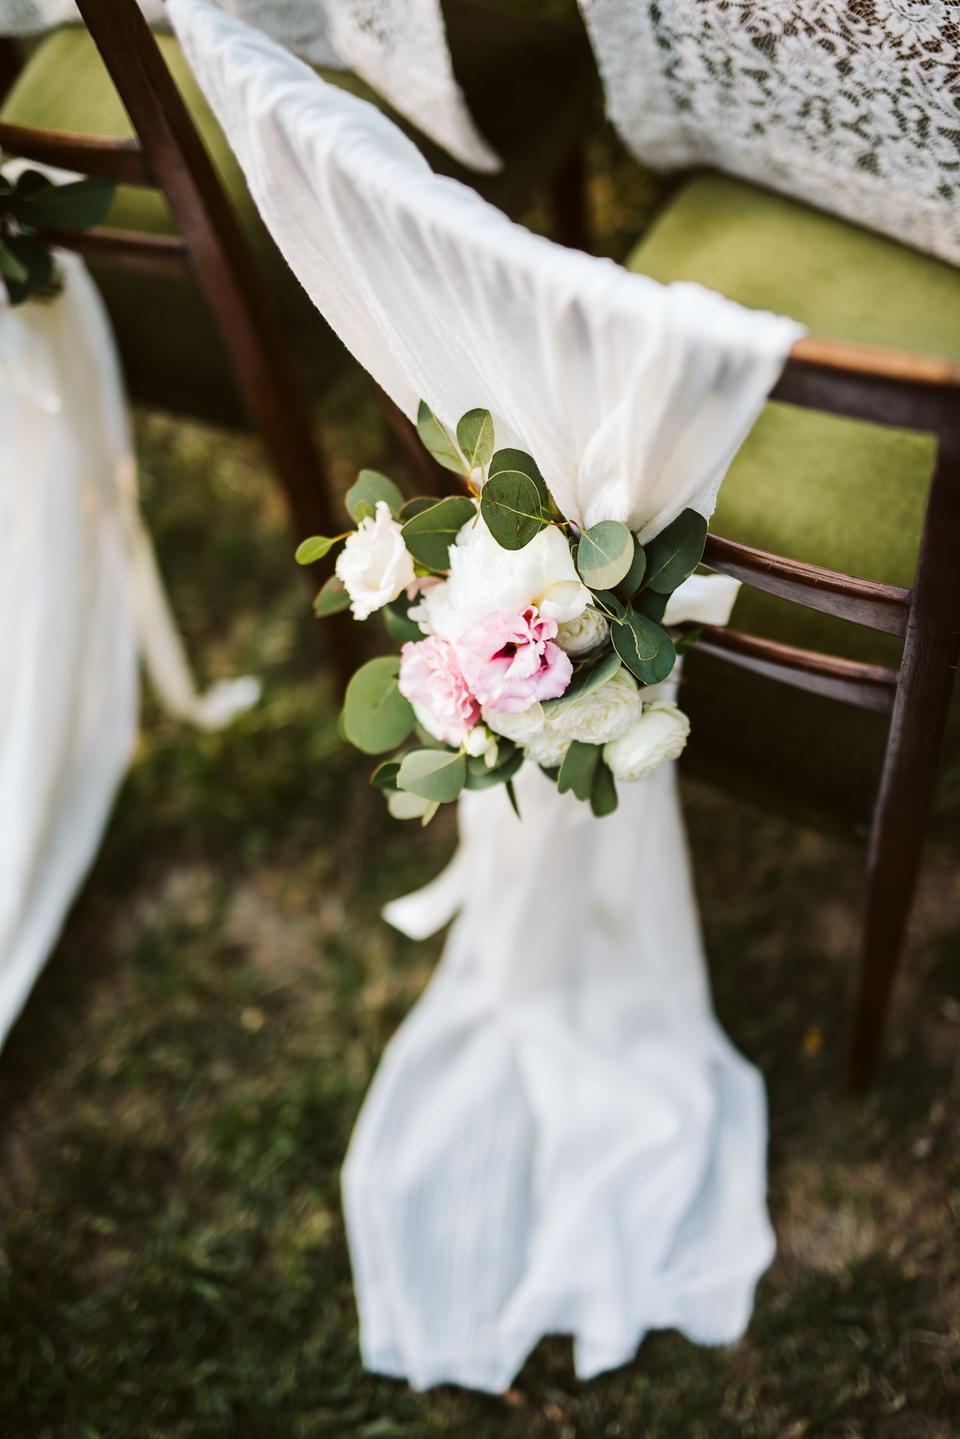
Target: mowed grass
178, 1095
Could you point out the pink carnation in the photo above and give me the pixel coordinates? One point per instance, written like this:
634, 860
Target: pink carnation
430, 679
510, 662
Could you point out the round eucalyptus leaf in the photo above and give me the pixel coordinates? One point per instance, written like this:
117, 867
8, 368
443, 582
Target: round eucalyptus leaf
312, 549
604, 554
475, 438
675, 552
644, 646
369, 488
429, 534
331, 600
510, 505
435, 439
376, 717
507, 461
434, 774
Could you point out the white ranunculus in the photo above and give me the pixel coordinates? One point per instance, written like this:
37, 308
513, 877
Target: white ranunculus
587, 632
602, 714
660, 734
374, 565
487, 579
547, 748
521, 728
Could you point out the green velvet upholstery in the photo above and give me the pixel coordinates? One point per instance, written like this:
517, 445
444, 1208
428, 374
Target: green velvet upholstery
530, 84
834, 492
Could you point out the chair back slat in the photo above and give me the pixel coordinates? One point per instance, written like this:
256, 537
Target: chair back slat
162, 255
871, 687
864, 602
121, 161
882, 387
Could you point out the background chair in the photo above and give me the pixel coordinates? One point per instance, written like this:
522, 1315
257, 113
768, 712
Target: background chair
530, 83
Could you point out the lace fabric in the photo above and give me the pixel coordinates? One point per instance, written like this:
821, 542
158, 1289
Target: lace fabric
398, 47
850, 105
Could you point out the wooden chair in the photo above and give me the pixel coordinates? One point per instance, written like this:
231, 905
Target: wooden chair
891, 388
168, 156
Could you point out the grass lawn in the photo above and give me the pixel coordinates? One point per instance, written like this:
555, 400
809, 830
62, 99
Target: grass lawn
178, 1095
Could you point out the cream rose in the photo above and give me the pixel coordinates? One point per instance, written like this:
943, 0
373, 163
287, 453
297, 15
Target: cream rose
487, 579
660, 734
602, 714
374, 565
587, 632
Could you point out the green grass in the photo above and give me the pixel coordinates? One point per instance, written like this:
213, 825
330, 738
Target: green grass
178, 1095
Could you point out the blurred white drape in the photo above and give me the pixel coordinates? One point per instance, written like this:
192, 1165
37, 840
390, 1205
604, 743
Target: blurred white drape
80, 598
399, 47
558, 1138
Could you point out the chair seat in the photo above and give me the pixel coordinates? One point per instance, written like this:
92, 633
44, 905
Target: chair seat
835, 492
511, 69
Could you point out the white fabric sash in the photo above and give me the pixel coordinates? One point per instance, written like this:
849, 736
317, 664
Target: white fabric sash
399, 47
558, 1137
79, 596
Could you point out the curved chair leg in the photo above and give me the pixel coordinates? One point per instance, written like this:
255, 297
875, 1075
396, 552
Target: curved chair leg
927, 675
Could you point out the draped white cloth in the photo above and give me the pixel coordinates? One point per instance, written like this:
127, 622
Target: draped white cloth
558, 1137
851, 107
79, 597
399, 47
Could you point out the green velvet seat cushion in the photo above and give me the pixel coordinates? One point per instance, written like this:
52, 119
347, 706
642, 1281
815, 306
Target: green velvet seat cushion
530, 85
835, 492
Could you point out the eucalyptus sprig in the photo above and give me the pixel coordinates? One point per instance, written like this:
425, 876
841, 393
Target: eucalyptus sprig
31, 206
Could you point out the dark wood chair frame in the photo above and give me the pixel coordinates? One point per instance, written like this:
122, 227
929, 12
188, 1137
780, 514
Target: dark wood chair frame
885, 387
209, 250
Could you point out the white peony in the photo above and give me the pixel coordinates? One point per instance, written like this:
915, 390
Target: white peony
487, 579
587, 632
547, 748
602, 714
374, 565
660, 734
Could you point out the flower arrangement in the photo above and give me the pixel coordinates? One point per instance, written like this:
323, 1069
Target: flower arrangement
521, 636
31, 206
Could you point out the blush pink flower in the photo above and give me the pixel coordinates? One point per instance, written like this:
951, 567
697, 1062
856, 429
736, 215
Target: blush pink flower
510, 661
431, 680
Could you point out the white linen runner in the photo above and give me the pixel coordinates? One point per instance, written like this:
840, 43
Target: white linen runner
558, 1137
79, 597
399, 47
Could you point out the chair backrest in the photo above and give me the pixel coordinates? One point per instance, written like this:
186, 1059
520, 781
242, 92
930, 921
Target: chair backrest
852, 108
168, 155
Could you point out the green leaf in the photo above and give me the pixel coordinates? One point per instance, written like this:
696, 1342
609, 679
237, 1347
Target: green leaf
74, 206
649, 603
578, 768
331, 599
12, 268
633, 579
36, 258
416, 506
675, 552
314, 548
687, 640
510, 505
480, 777
369, 488
376, 717
385, 775
603, 792
434, 774
512, 797
607, 601
604, 554
437, 441
509, 461
586, 677
644, 646
429, 534
410, 806
399, 627
475, 438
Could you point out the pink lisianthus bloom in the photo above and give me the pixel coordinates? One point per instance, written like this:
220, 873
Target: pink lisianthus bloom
431, 680
510, 661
